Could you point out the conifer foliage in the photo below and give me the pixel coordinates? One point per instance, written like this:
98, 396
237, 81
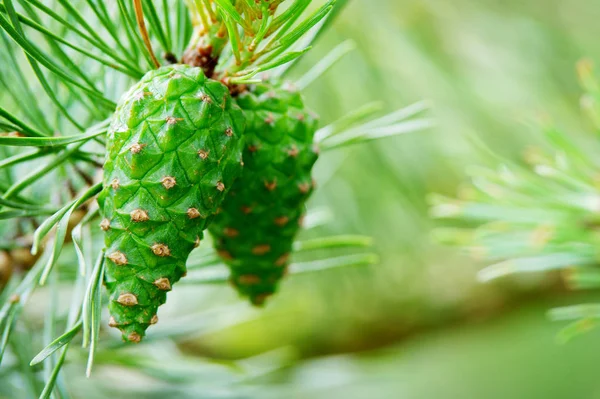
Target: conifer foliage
538, 214
141, 124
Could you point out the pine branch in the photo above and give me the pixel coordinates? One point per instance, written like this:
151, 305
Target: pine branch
139, 16
534, 216
81, 68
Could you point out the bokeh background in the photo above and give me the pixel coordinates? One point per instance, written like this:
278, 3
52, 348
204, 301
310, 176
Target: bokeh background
418, 324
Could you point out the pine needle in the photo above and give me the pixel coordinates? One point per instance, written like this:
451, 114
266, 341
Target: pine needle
139, 14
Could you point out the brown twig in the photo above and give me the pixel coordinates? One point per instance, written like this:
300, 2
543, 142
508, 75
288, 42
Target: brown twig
139, 16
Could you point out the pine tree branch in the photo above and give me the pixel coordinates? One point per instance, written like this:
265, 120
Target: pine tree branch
139, 14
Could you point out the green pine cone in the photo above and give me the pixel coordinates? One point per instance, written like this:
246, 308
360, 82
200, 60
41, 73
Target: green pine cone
255, 229
174, 149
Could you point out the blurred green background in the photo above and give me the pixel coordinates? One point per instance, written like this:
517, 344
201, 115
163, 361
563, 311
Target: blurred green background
490, 68
417, 325
423, 324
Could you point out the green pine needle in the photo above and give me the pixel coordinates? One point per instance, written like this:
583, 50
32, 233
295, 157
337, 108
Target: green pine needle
57, 344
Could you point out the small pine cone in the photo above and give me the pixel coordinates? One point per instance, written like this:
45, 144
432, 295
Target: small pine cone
159, 194
256, 228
